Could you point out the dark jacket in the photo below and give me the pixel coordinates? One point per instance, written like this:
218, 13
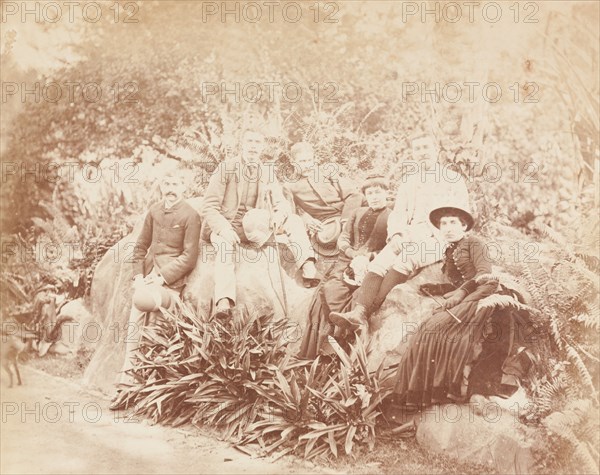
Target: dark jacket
170, 241
368, 240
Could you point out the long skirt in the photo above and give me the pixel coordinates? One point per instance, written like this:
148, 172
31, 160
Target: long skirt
331, 295
436, 365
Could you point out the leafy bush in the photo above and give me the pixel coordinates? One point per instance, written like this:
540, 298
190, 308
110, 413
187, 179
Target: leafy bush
236, 375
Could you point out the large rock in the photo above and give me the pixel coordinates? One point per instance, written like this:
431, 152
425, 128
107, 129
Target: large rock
77, 332
399, 317
110, 297
481, 433
258, 285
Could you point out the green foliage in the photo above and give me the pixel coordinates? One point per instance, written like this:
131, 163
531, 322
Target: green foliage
236, 375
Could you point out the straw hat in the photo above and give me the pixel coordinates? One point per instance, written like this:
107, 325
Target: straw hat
325, 241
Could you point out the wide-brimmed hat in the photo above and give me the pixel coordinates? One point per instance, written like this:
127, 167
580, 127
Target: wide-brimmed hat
148, 298
256, 226
459, 209
325, 241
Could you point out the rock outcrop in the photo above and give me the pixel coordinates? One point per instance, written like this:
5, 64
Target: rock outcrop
482, 433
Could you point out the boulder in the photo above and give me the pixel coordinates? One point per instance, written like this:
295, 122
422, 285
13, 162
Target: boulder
399, 317
110, 298
77, 331
482, 433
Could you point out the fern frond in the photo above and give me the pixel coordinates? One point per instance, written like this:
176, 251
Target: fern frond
580, 365
590, 321
555, 237
503, 301
591, 262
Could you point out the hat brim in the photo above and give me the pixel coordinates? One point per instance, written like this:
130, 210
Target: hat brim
151, 298
327, 250
438, 213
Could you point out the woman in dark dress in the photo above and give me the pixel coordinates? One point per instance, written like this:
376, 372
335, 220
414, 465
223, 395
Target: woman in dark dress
364, 235
437, 363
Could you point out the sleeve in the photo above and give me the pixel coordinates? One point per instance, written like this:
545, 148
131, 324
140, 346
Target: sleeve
345, 239
398, 216
213, 197
142, 245
186, 261
352, 196
481, 263
295, 204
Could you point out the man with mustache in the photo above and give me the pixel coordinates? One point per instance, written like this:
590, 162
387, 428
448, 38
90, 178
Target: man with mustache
165, 252
238, 186
413, 242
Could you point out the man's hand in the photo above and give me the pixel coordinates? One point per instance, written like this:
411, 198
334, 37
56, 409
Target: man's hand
454, 298
138, 280
312, 224
359, 266
230, 235
396, 242
429, 289
154, 279
277, 219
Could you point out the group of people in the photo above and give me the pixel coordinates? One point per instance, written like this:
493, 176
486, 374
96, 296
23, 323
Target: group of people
378, 247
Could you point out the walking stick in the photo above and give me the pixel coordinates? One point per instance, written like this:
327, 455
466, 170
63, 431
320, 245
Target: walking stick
285, 303
441, 306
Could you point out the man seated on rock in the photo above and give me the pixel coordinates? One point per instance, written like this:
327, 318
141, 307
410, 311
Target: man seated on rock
321, 197
166, 251
413, 242
237, 186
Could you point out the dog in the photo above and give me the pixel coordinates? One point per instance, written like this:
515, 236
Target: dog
13, 344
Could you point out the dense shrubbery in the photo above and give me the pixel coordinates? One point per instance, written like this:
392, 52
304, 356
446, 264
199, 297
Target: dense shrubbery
237, 376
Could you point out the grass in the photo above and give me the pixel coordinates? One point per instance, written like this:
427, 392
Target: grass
58, 365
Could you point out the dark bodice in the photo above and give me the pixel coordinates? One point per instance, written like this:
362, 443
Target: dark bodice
366, 227
466, 260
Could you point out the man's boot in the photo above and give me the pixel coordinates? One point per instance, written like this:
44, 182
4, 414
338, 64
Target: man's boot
350, 320
366, 295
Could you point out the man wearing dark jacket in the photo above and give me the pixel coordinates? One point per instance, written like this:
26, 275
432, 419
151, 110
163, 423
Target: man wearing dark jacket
165, 253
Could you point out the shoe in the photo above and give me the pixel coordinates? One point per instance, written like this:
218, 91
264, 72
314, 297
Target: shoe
350, 320
119, 401
310, 275
223, 308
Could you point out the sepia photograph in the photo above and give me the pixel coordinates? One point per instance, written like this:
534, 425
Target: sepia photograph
300, 237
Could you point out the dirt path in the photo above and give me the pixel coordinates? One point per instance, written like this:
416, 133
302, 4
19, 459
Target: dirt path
51, 425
